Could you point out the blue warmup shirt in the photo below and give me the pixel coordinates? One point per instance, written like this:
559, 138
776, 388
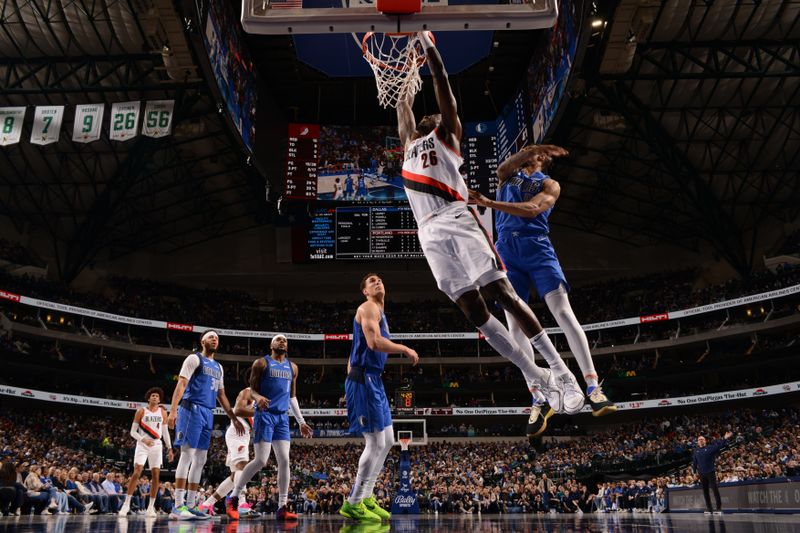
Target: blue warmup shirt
703, 458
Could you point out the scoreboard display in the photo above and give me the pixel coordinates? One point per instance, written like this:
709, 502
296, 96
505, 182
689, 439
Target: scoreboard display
363, 232
302, 161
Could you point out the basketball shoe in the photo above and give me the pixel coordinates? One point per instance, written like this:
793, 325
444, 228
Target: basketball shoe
571, 393
600, 403
373, 506
537, 421
232, 507
358, 512
285, 515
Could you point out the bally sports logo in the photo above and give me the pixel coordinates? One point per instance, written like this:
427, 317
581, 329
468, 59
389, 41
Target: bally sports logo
658, 317
179, 327
759, 392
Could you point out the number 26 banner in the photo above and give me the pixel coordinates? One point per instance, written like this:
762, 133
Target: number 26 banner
124, 120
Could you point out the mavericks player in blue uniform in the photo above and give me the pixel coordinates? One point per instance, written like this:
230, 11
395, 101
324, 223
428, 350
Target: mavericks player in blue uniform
361, 194
525, 198
348, 187
200, 386
273, 386
367, 406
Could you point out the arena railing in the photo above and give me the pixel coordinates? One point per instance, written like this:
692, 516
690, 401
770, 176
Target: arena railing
659, 403
181, 326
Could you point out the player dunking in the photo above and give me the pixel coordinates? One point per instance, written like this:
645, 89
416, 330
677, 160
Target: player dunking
200, 386
525, 199
458, 251
148, 429
273, 387
238, 449
367, 406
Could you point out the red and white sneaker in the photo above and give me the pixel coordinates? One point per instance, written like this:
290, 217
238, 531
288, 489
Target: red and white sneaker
284, 514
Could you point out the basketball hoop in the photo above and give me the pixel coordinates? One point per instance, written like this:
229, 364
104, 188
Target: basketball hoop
395, 59
404, 442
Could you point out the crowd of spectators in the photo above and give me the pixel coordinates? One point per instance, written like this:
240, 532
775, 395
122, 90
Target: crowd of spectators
622, 298
15, 253
460, 477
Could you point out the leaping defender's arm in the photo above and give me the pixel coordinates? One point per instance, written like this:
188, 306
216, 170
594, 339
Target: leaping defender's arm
518, 160
530, 208
406, 123
441, 86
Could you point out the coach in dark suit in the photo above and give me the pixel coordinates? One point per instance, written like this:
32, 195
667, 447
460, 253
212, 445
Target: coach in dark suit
703, 464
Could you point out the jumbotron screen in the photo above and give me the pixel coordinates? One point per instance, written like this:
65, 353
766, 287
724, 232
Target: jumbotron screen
363, 232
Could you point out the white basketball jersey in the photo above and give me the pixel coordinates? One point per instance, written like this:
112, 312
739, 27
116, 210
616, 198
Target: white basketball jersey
431, 175
152, 423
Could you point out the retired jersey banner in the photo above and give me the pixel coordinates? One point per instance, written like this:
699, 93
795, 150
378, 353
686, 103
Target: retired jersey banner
124, 120
88, 119
11, 124
158, 118
47, 124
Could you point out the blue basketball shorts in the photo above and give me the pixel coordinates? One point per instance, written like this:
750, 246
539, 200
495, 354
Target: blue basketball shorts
268, 426
531, 262
367, 406
193, 427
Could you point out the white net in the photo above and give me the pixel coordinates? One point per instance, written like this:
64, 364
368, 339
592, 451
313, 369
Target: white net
395, 59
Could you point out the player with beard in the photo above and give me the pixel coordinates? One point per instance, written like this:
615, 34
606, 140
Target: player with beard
273, 387
200, 386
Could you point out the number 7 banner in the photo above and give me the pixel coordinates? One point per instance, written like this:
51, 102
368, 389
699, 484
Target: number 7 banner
47, 124
124, 120
88, 119
158, 118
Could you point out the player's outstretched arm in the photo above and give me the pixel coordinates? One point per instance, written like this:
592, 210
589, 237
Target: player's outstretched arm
369, 316
530, 208
406, 123
441, 86
514, 162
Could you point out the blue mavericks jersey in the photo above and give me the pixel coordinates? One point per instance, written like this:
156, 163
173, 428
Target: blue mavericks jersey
348, 184
276, 384
362, 183
521, 188
360, 355
204, 383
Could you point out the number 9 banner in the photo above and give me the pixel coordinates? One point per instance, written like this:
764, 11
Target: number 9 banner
11, 124
88, 119
158, 118
124, 120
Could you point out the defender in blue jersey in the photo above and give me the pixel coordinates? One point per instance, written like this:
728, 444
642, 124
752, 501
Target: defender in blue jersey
361, 194
273, 387
367, 405
348, 187
525, 199
200, 386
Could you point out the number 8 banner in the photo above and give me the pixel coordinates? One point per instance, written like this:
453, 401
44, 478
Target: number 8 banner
124, 120
11, 124
88, 119
158, 118
47, 124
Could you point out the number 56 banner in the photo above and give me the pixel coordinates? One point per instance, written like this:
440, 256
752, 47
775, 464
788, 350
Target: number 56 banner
158, 118
124, 120
88, 119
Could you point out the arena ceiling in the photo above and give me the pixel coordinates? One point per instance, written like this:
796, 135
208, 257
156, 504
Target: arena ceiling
683, 124
158, 194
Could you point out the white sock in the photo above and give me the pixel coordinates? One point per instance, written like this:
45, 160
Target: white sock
224, 488
542, 343
152, 503
388, 442
126, 505
538, 396
180, 497
500, 339
558, 303
191, 498
366, 463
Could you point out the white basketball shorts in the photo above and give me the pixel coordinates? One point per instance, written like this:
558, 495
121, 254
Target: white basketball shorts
152, 455
238, 447
458, 250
